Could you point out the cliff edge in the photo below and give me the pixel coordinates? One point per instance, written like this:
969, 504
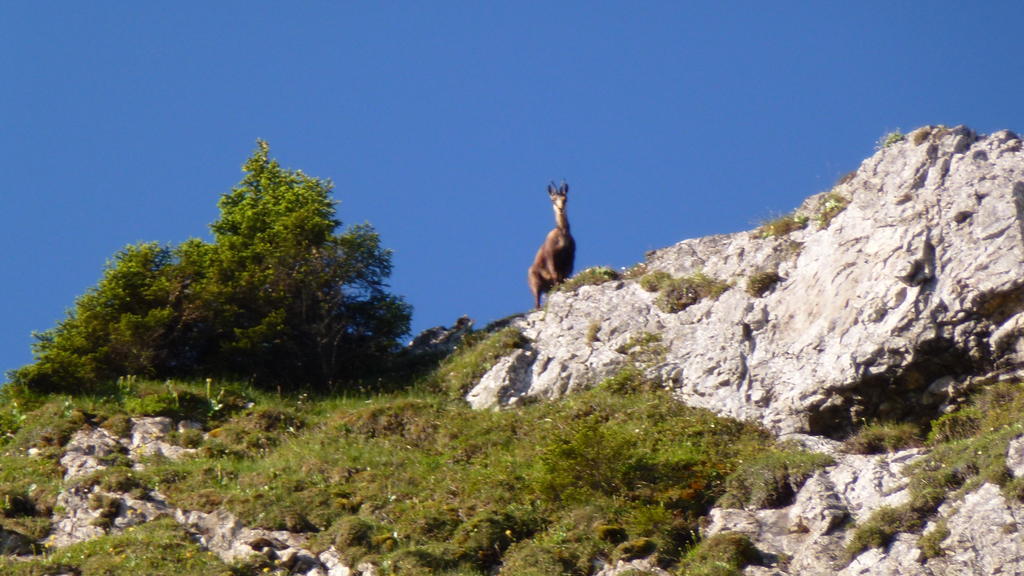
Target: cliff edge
890, 298
886, 297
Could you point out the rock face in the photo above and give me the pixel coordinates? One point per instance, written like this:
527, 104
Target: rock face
904, 289
810, 532
86, 511
904, 299
981, 528
890, 297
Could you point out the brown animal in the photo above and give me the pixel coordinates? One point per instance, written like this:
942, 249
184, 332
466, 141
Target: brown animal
554, 260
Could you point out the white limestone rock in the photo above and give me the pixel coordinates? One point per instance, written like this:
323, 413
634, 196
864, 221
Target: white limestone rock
920, 277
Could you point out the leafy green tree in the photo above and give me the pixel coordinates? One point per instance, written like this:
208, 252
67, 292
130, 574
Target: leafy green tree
293, 301
280, 297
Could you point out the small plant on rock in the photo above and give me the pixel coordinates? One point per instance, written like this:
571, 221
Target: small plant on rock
760, 283
589, 277
883, 437
724, 554
783, 225
772, 479
477, 354
831, 205
894, 137
682, 293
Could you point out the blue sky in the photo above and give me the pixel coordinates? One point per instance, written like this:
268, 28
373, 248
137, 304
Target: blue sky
442, 122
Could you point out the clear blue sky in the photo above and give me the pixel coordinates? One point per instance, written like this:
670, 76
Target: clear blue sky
442, 122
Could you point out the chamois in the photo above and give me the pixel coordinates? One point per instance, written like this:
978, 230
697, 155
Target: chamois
554, 259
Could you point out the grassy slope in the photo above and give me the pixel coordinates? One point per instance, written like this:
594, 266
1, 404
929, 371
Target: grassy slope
418, 483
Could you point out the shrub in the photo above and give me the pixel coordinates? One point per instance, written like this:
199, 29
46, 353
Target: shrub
759, 283
279, 297
589, 277
724, 554
894, 137
931, 541
881, 527
677, 294
783, 225
635, 549
883, 437
655, 281
528, 558
589, 457
954, 426
483, 539
772, 479
829, 207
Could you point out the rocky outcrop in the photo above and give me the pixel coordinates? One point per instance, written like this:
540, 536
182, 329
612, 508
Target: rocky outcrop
889, 308
440, 340
981, 529
87, 510
889, 297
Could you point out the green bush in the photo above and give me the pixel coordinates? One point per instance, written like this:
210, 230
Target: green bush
931, 541
783, 225
881, 527
829, 207
771, 479
589, 277
527, 558
655, 281
883, 437
678, 294
759, 283
724, 554
894, 137
279, 297
477, 354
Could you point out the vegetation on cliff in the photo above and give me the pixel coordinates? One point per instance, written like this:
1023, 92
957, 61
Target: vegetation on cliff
280, 297
413, 481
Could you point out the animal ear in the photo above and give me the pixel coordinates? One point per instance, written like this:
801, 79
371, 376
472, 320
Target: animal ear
565, 188
552, 190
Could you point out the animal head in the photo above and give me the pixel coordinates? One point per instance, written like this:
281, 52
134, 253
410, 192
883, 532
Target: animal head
558, 195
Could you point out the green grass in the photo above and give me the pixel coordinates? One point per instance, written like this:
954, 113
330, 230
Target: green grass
829, 207
760, 283
416, 479
783, 225
771, 479
678, 294
159, 548
894, 137
881, 437
968, 448
413, 481
478, 353
589, 277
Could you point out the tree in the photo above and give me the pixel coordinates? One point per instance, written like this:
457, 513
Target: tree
293, 300
279, 297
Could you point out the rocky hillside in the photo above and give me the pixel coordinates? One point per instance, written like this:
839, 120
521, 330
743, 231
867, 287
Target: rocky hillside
887, 299
848, 400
